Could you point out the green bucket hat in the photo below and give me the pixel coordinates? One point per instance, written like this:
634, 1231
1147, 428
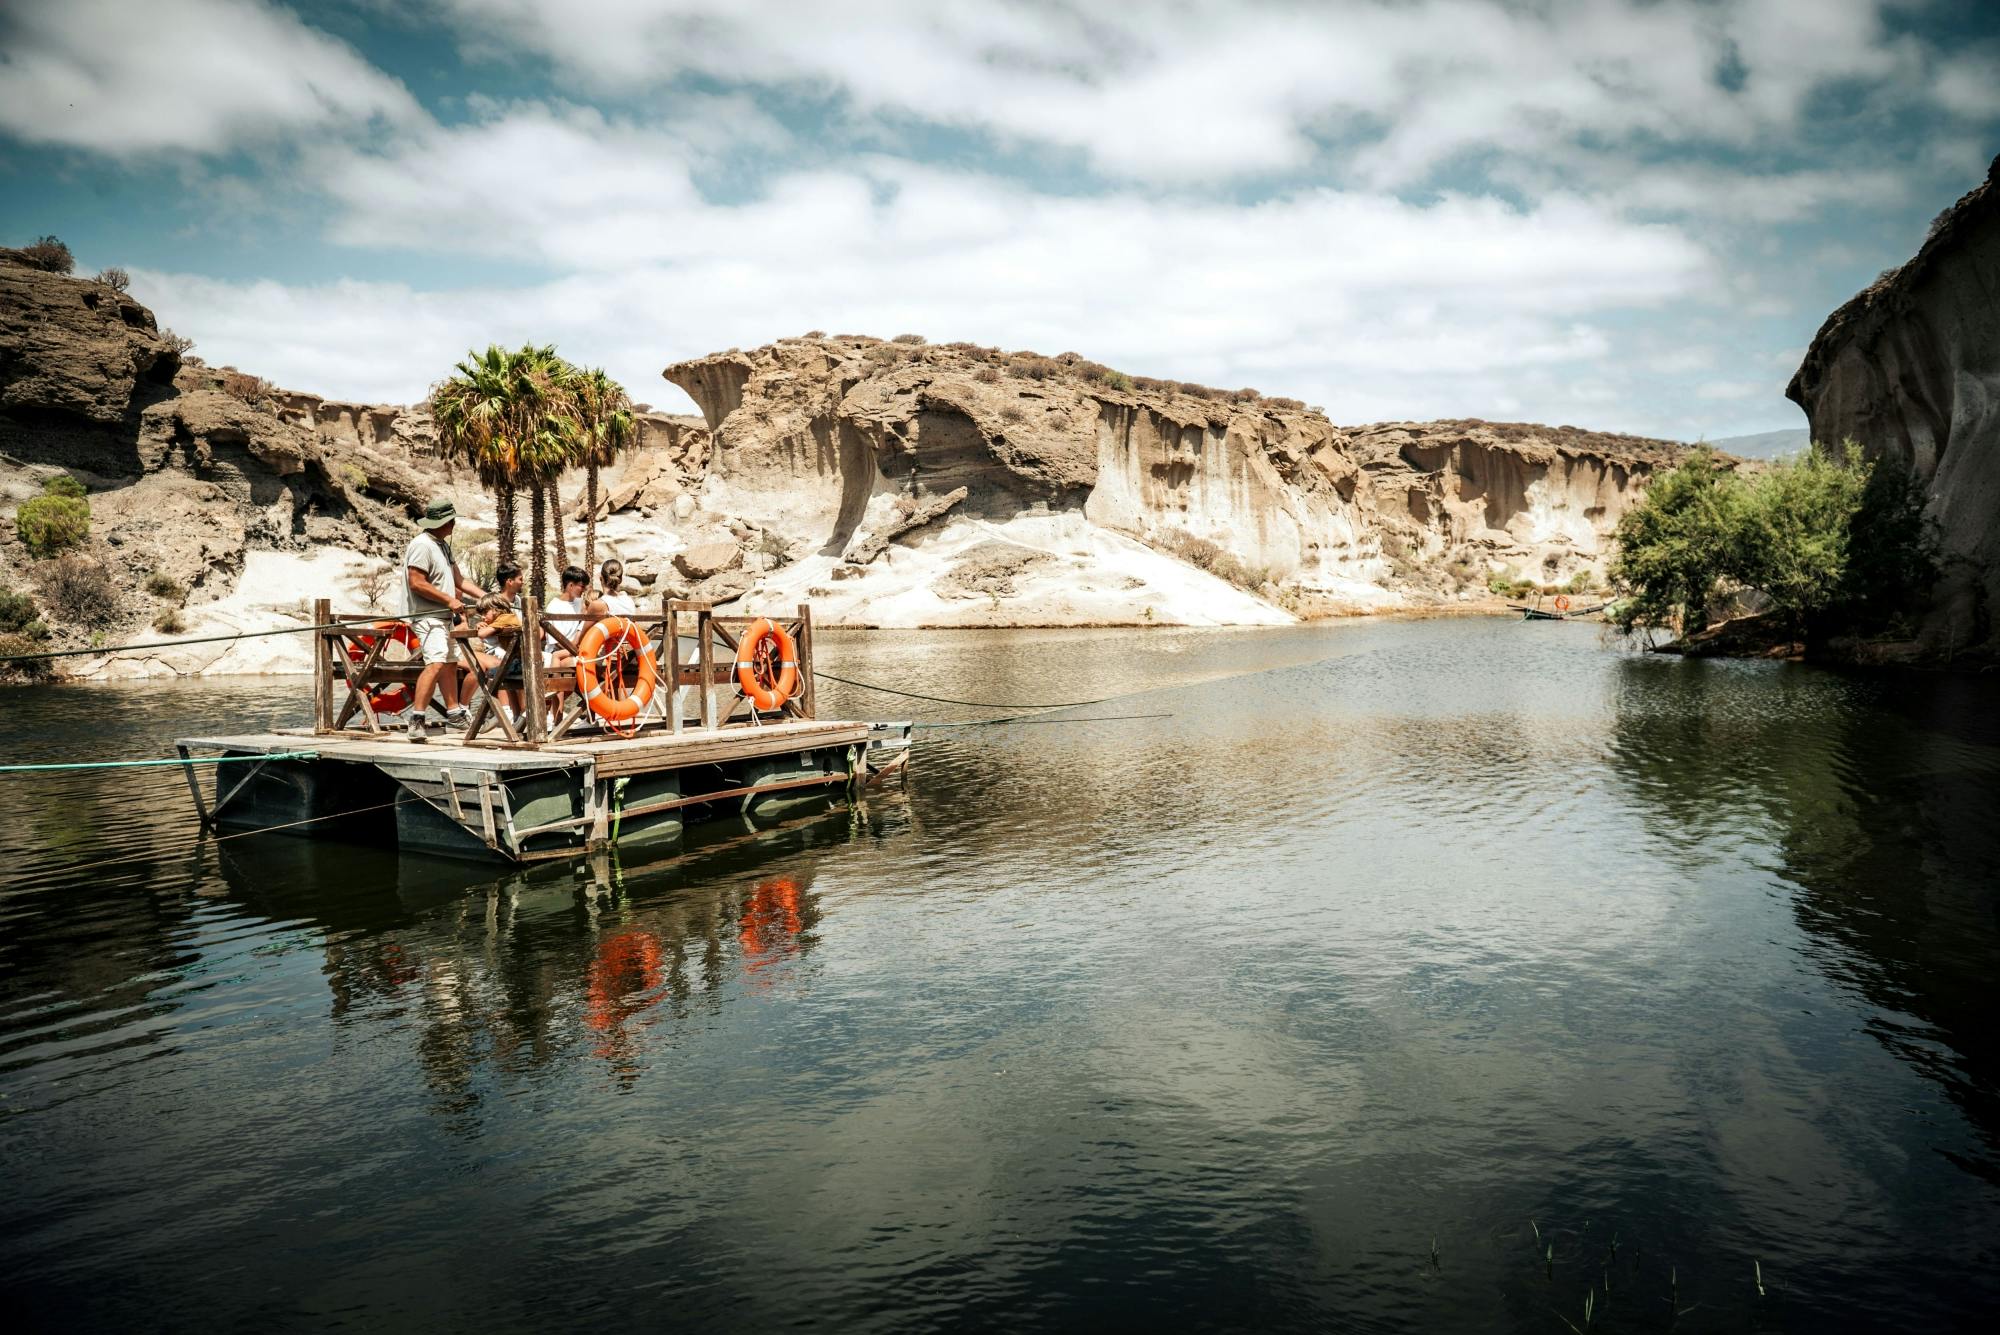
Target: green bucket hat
437, 514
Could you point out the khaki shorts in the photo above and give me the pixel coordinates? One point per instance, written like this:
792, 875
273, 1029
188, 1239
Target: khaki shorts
434, 639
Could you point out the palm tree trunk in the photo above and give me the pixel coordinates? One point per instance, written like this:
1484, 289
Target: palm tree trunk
503, 515
590, 517
538, 558
559, 542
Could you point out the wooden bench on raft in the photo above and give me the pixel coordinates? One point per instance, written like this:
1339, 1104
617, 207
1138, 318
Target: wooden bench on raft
351, 656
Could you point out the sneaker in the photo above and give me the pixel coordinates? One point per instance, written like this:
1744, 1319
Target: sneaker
418, 731
456, 718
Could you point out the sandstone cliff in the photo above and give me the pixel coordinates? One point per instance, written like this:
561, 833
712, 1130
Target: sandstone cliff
1909, 369
827, 441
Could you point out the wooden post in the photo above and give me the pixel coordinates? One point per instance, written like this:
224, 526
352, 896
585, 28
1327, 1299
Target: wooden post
536, 723
322, 614
673, 664
705, 627
807, 699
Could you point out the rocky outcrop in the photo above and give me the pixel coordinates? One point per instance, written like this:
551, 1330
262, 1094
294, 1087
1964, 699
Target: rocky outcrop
833, 440
1909, 369
189, 469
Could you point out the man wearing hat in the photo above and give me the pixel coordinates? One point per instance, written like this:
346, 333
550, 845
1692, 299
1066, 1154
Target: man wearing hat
433, 583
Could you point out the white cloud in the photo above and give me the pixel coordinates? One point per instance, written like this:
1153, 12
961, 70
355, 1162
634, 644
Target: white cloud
1192, 90
203, 76
1365, 303
1730, 391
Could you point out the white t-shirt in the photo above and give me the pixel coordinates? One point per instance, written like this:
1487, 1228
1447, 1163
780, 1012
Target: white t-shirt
619, 605
571, 629
427, 556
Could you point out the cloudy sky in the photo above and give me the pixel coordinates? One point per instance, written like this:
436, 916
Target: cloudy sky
1624, 214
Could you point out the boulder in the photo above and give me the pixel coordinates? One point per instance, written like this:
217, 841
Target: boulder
705, 559
912, 513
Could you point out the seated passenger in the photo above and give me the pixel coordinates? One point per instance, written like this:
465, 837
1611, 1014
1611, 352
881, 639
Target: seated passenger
498, 626
575, 585
611, 579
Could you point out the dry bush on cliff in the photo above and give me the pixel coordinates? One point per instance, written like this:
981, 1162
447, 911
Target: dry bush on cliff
253, 389
987, 375
162, 585
814, 333
1012, 412
48, 254
916, 340
78, 591
114, 278
178, 342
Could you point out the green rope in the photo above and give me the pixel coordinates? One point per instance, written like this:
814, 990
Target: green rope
141, 764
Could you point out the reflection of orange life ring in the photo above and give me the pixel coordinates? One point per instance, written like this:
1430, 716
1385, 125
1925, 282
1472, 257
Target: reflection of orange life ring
390, 699
592, 650
1562, 603
627, 967
767, 665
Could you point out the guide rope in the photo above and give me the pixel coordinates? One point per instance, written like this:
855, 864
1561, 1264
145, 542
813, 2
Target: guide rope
172, 760
107, 650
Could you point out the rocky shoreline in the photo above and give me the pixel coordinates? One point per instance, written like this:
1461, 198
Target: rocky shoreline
892, 483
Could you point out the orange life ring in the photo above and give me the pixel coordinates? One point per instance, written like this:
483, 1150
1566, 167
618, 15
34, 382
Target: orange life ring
1562, 602
767, 665
593, 649
390, 699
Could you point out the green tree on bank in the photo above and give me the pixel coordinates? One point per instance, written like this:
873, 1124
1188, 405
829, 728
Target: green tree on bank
1832, 543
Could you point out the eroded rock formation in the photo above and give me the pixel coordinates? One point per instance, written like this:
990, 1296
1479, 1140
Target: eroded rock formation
1909, 369
817, 438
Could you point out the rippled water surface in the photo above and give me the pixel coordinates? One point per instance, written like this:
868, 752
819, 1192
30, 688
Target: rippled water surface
1383, 939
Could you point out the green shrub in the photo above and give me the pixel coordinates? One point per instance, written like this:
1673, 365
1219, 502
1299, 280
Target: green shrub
51, 523
48, 254
1821, 537
78, 590
1581, 582
62, 484
34, 669
20, 616
1118, 380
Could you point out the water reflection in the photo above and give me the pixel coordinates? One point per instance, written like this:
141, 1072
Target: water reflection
1879, 797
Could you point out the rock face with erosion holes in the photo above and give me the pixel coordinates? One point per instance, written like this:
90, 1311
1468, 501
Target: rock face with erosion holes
1909, 369
836, 442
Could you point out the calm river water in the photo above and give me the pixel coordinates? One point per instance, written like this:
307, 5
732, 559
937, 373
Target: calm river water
1604, 975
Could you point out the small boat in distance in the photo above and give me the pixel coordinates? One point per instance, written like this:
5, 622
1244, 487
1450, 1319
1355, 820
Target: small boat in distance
1560, 610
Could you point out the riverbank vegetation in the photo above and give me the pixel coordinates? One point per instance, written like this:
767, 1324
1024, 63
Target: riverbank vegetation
1816, 545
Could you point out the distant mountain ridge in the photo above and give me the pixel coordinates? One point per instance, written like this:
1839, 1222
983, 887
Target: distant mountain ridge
1765, 444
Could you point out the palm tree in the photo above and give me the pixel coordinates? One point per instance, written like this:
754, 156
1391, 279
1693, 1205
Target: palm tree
545, 427
604, 414
475, 414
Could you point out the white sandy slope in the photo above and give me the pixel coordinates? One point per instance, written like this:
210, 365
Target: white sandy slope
1090, 577
275, 591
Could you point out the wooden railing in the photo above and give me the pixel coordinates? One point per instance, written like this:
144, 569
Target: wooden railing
356, 678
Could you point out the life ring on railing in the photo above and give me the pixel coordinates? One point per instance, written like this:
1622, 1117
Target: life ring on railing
767, 665
1562, 602
605, 638
392, 699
